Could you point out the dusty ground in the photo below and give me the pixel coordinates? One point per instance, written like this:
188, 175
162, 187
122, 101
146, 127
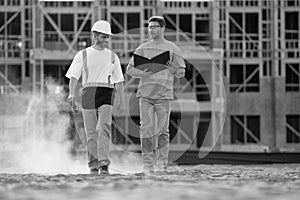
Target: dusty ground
184, 182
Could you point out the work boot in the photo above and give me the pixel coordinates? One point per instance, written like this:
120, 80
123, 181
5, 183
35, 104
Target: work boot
104, 169
161, 168
94, 171
148, 169
162, 165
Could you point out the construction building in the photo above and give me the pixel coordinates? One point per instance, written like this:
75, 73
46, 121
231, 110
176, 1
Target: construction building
243, 63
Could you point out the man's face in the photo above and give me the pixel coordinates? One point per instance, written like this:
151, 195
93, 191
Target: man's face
101, 39
155, 30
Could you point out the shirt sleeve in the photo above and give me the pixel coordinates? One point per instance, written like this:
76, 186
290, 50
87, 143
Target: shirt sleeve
131, 62
117, 73
138, 51
178, 58
76, 67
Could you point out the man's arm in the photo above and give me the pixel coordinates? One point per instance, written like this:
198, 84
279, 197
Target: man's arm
177, 65
72, 87
136, 73
73, 92
120, 92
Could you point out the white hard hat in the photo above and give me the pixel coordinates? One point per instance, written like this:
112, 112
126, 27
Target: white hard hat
102, 27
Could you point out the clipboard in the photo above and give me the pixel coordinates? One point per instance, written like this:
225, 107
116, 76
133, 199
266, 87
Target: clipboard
154, 64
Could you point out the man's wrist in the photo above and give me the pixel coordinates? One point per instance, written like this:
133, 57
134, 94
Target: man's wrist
173, 71
71, 96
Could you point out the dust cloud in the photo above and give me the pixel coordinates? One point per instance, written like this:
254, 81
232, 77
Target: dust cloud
41, 143
45, 142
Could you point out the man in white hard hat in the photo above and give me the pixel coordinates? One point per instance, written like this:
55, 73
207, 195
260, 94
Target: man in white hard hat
155, 92
101, 73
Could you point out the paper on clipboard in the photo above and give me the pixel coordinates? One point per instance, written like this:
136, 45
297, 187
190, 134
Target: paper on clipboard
154, 64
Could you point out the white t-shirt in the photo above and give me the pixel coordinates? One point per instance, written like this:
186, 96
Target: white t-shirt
103, 67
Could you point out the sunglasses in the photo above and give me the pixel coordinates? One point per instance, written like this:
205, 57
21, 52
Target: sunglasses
154, 27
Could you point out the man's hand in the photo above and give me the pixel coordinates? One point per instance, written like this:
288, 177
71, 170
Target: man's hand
146, 73
178, 72
171, 67
74, 106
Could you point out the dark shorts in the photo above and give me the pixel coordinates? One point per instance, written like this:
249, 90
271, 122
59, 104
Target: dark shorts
94, 97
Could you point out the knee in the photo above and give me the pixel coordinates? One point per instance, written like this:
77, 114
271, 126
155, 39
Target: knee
146, 131
147, 145
91, 135
164, 133
163, 139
